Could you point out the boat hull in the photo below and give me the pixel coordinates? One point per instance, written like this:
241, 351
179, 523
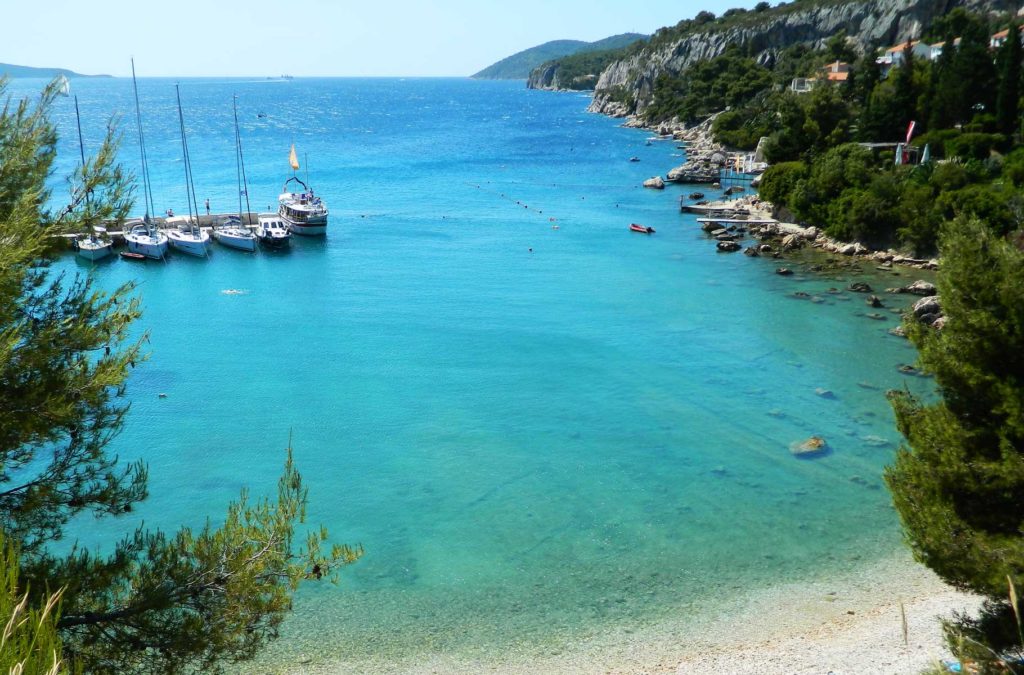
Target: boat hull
308, 229
241, 240
190, 244
95, 253
150, 246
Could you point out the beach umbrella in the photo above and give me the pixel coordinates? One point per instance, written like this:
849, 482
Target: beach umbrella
926, 156
899, 154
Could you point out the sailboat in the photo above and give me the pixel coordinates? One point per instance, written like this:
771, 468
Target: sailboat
96, 245
142, 236
184, 233
304, 212
233, 233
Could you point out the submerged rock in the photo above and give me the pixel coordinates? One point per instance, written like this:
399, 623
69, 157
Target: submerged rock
859, 287
813, 446
874, 301
824, 393
728, 246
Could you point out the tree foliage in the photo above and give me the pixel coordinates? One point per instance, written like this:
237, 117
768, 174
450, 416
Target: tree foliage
159, 602
958, 484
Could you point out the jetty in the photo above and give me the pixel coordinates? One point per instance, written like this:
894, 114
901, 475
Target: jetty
115, 230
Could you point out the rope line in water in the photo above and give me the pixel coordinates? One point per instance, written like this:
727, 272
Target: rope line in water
509, 198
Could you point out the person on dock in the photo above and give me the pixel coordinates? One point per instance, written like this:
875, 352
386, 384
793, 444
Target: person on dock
207, 206
170, 213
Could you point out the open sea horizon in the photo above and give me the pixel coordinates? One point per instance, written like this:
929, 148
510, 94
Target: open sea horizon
541, 426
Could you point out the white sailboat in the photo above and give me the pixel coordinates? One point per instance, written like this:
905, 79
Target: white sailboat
304, 212
232, 233
183, 232
142, 236
96, 245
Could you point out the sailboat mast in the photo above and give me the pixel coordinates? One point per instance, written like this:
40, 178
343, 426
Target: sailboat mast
147, 189
190, 190
241, 166
81, 149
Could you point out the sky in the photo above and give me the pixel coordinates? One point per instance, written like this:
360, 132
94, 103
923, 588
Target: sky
313, 38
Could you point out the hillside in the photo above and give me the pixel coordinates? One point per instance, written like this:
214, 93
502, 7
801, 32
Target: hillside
11, 70
518, 66
625, 78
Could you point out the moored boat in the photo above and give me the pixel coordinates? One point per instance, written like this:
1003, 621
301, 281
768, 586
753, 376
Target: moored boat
185, 236
230, 231
128, 255
142, 237
304, 212
273, 232
643, 229
96, 245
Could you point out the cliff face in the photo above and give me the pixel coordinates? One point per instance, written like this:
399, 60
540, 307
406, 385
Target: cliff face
625, 86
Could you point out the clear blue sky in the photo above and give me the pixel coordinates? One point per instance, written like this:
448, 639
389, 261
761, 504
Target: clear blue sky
315, 37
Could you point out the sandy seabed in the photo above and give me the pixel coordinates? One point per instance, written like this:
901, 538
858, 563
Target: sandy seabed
848, 623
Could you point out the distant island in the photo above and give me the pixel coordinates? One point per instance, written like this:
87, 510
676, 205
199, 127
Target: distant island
11, 70
518, 66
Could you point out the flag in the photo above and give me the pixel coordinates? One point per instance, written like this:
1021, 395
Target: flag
293, 159
910, 130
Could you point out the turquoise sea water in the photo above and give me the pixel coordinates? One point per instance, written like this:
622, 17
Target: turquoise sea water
538, 434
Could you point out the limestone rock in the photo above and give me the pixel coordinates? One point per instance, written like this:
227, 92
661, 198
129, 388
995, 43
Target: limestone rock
655, 182
728, 246
813, 446
920, 287
926, 307
859, 287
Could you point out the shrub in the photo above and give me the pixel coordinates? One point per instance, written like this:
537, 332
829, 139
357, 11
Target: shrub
778, 181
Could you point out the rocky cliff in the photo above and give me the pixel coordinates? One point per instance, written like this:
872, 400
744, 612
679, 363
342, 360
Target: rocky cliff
625, 86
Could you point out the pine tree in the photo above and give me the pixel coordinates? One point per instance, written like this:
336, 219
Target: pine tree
1008, 96
945, 88
159, 602
958, 485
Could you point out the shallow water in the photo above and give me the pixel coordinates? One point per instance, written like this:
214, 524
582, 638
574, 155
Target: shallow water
538, 434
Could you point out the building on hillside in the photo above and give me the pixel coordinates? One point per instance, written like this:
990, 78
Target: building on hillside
837, 72
997, 40
802, 85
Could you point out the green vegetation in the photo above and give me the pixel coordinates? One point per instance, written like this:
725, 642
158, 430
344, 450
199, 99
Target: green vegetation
966, 108
728, 80
157, 602
519, 65
29, 643
959, 483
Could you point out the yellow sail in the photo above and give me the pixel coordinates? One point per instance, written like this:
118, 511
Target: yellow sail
293, 159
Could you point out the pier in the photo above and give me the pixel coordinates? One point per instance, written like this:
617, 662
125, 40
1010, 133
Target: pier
115, 230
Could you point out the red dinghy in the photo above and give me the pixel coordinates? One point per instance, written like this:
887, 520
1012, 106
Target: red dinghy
643, 229
129, 255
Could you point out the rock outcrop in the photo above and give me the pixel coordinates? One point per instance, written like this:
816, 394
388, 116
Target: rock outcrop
625, 87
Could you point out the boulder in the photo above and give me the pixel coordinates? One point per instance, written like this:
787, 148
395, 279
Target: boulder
728, 246
718, 158
920, 287
784, 271
874, 301
939, 323
696, 195
710, 227
765, 248
898, 332
926, 306
791, 241
751, 251
655, 182
859, 287
847, 249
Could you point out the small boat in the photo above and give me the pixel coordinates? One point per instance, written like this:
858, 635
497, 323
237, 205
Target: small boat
145, 239
643, 229
634, 159
229, 230
142, 235
183, 232
186, 237
128, 255
96, 245
273, 232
